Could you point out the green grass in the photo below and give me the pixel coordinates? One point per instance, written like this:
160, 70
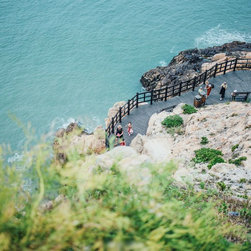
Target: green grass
175, 130
188, 109
172, 121
222, 186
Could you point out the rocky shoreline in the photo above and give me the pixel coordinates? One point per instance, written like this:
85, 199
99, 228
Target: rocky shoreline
190, 63
228, 127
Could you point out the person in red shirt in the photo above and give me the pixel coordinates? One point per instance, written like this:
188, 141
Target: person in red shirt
208, 88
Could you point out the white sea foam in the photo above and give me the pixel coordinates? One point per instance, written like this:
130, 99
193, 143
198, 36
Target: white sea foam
172, 50
88, 123
16, 157
163, 63
219, 36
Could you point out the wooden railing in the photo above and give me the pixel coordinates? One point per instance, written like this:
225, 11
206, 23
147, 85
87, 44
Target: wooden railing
167, 92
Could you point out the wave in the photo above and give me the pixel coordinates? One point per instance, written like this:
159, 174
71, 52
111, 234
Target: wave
87, 123
163, 63
219, 36
15, 158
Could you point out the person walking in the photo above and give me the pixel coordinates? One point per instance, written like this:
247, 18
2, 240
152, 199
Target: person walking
223, 90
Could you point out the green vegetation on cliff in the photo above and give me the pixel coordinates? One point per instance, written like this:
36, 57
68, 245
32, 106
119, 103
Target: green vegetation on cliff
101, 210
188, 109
172, 121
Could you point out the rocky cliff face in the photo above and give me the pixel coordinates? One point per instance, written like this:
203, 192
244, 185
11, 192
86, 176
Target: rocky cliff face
74, 139
190, 63
225, 126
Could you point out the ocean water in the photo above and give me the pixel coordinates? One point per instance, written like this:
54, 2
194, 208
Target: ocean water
67, 60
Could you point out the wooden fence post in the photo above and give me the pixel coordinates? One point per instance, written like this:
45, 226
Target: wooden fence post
194, 83
112, 125
137, 100
215, 70
225, 68
120, 114
180, 88
205, 78
128, 104
151, 102
235, 63
166, 93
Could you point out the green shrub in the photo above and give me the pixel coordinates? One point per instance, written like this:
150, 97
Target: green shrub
238, 161
204, 140
234, 147
243, 180
202, 185
172, 121
214, 161
188, 109
204, 155
246, 212
222, 186
223, 207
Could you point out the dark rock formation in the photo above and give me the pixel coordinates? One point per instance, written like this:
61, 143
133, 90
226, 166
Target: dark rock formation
71, 127
187, 64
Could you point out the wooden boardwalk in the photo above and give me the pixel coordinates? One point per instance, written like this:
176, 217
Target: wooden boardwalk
139, 117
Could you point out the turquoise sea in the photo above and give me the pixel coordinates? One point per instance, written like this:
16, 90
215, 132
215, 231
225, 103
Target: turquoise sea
63, 60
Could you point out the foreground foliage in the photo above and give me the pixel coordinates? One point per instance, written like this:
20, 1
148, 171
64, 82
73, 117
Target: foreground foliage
103, 210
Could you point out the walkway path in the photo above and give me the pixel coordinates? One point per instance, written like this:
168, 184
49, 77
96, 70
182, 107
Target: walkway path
238, 80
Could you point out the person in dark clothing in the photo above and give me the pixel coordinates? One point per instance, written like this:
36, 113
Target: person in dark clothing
223, 90
120, 135
119, 132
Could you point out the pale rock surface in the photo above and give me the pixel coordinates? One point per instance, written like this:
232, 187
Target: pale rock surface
248, 55
79, 142
158, 148
138, 143
107, 159
129, 161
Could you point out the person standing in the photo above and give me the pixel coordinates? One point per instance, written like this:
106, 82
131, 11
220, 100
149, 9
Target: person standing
208, 88
119, 135
129, 129
223, 90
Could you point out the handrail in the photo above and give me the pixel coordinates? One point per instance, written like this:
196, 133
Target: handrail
166, 92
